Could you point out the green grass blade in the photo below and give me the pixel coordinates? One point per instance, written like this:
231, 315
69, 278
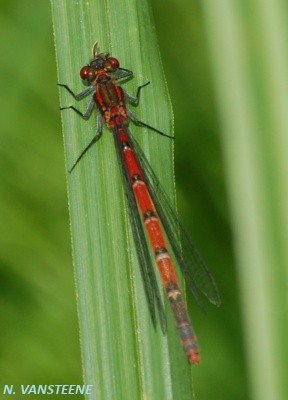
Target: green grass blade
122, 355
250, 61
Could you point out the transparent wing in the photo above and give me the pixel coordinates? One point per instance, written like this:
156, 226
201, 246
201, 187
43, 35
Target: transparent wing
191, 263
147, 268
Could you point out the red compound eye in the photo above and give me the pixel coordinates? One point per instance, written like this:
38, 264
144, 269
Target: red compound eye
87, 73
84, 72
113, 63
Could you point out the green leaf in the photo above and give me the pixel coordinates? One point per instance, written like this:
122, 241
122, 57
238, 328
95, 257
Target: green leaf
123, 357
250, 62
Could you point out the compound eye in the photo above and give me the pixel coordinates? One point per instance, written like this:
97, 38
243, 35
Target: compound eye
84, 72
87, 73
113, 63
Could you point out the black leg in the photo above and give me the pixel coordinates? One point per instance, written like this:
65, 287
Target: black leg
80, 95
135, 99
93, 141
122, 73
136, 121
87, 114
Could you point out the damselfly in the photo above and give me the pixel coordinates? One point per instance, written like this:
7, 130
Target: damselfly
153, 220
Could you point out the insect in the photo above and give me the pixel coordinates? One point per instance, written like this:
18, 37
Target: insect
154, 222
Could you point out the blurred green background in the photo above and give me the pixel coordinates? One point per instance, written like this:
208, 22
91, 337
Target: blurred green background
38, 323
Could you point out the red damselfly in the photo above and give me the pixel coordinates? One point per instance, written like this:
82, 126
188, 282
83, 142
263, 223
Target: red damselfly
151, 225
